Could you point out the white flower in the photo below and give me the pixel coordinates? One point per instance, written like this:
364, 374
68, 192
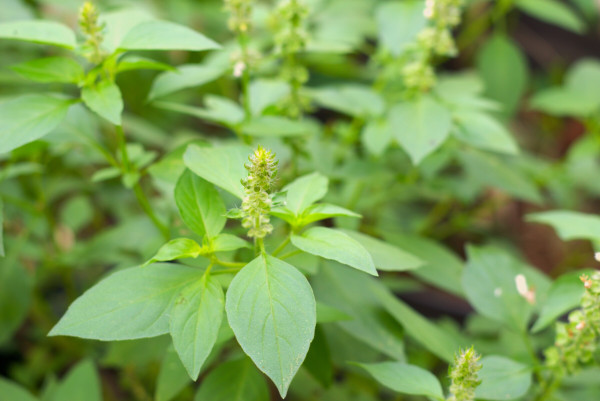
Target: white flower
523, 289
429, 9
238, 69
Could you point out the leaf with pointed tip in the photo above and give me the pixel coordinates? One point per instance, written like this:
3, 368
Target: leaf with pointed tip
228, 242
82, 383
185, 76
129, 304
322, 211
30, 117
305, 191
222, 166
105, 100
234, 381
164, 35
200, 205
177, 248
272, 311
502, 379
405, 378
14, 392
172, 377
420, 126
51, 69
195, 322
38, 31
336, 245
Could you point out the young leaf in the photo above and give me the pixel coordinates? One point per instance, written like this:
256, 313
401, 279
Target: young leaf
186, 76
172, 377
385, 256
14, 392
129, 63
81, 384
228, 242
272, 311
178, 248
200, 205
483, 131
420, 126
504, 71
554, 12
376, 136
129, 304
321, 211
305, 191
51, 69
405, 378
222, 166
30, 117
164, 35
336, 245
105, 100
502, 379
234, 381
564, 295
37, 31
195, 322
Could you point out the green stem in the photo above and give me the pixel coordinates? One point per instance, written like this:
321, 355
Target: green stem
227, 271
229, 264
534, 357
290, 254
243, 42
548, 389
122, 147
282, 246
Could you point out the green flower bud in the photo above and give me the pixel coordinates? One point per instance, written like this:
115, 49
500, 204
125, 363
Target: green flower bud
463, 375
256, 205
93, 31
240, 15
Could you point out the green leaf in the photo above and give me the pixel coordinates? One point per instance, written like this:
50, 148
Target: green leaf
376, 136
172, 377
218, 109
399, 23
272, 311
354, 100
200, 205
2, 252
37, 31
14, 392
266, 92
82, 383
131, 62
385, 256
490, 170
430, 336
277, 126
405, 378
51, 69
564, 102
502, 379
420, 126
344, 289
129, 304
118, 24
222, 166
234, 381
503, 68
228, 242
164, 35
30, 117
304, 191
321, 211
105, 100
185, 76
195, 322
442, 268
178, 248
564, 294
554, 12
483, 131
489, 284
570, 225
336, 245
